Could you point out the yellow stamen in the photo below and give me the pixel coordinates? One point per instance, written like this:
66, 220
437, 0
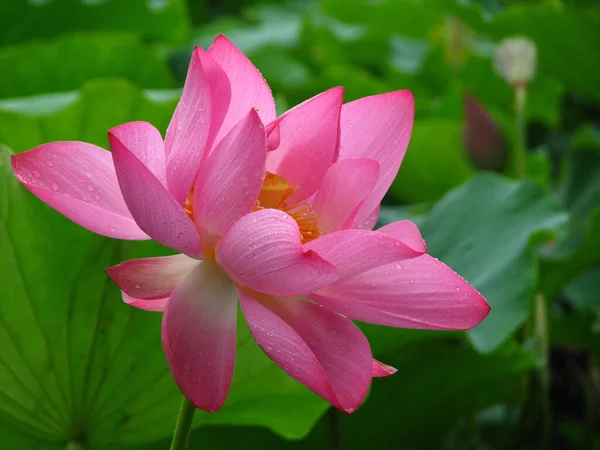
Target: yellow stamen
188, 206
274, 194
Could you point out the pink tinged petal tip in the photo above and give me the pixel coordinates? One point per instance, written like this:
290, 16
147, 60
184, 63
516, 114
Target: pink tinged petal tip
345, 187
263, 251
377, 127
188, 132
199, 335
231, 177
151, 278
382, 370
146, 143
323, 350
248, 87
416, 293
154, 305
356, 251
152, 206
308, 142
79, 181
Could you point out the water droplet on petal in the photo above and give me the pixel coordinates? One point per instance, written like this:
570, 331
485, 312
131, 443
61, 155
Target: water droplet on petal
49, 163
113, 229
54, 187
36, 174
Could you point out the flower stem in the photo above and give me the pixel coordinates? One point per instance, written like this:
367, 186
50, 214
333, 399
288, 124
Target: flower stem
541, 334
184, 425
520, 142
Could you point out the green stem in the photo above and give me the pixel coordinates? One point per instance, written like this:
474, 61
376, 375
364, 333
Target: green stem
520, 143
542, 338
184, 425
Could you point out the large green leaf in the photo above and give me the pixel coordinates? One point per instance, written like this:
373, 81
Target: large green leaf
84, 115
444, 377
22, 20
483, 230
76, 363
66, 63
434, 163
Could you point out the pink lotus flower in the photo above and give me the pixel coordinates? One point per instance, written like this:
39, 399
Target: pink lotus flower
273, 213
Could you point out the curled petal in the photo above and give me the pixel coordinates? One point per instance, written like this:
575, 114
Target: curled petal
377, 127
151, 205
263, 251
273, 136
323, 350
146, 143
345, 186
407, 231
199, 335
188, 132
248, 87
151, 278
155, 304
415, 293
308, 142
79, 181
382, 370
231, 177
355, 251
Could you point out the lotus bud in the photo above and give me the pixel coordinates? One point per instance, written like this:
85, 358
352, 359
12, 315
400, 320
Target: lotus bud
485, 141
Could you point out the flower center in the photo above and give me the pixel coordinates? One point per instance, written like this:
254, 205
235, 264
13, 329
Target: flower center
274, 194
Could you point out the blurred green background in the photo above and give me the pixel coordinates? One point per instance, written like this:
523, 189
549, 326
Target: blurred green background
79, 369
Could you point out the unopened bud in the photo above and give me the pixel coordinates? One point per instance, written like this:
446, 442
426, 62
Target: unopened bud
485, 141
515, 60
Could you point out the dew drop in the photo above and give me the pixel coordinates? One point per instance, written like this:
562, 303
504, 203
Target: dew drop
54, 187
90, 188
49, 163
113, 229
36, 174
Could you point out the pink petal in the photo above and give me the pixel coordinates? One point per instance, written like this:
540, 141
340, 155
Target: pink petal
415, 293
79, 181
199, 335
377, 127
188, 132
382, 370
345, 186
355, 251
248, 87
370, 221
309, 138
151, 205
151, 278
157, 304
231, 177
146, 143
263, 251
407, 231
324, 351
